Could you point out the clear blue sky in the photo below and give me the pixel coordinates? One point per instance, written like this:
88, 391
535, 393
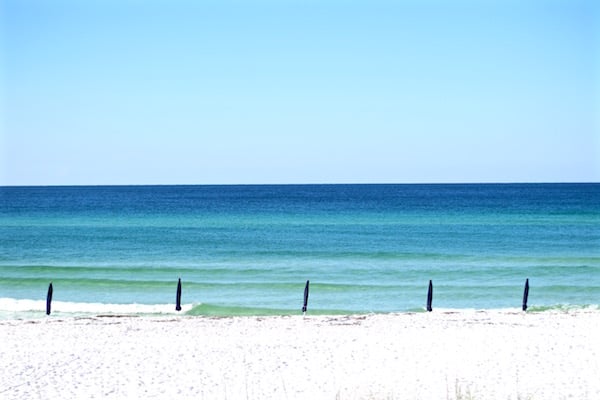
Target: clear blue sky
172, 91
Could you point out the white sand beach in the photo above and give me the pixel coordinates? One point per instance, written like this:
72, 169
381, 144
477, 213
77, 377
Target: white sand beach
438, 355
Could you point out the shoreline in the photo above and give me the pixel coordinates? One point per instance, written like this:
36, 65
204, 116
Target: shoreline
479, 354
22, 309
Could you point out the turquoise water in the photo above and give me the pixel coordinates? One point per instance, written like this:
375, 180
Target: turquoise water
248, 250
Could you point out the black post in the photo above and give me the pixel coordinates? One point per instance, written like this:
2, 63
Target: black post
525, 294
178, 297
429, 296
305, 297
49, 299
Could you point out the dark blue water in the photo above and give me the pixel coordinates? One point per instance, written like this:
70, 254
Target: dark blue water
250, 249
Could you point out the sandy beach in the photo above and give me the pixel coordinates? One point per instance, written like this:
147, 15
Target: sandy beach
438, 355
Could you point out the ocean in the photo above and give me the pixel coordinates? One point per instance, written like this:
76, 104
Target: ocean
249, 249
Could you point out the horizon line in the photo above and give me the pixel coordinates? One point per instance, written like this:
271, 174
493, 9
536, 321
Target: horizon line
306, 184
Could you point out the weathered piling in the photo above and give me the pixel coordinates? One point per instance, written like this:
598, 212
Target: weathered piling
178, 296
49, 299
306, 288
525, 294
429, 296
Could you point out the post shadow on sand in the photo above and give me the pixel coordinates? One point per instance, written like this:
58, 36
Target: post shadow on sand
178, 296
49, 299
525, 294
305, 297
429, 296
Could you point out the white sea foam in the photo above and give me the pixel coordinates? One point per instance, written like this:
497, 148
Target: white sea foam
32, 307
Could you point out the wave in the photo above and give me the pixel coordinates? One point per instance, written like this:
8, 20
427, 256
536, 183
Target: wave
31, 309
25, 308
564, 308
28, 307
238, 311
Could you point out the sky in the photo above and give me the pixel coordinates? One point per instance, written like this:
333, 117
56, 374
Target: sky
299, 91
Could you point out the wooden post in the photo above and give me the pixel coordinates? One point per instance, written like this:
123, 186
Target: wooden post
178, 296
49, 299
429, 296
525, 294
305, 297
